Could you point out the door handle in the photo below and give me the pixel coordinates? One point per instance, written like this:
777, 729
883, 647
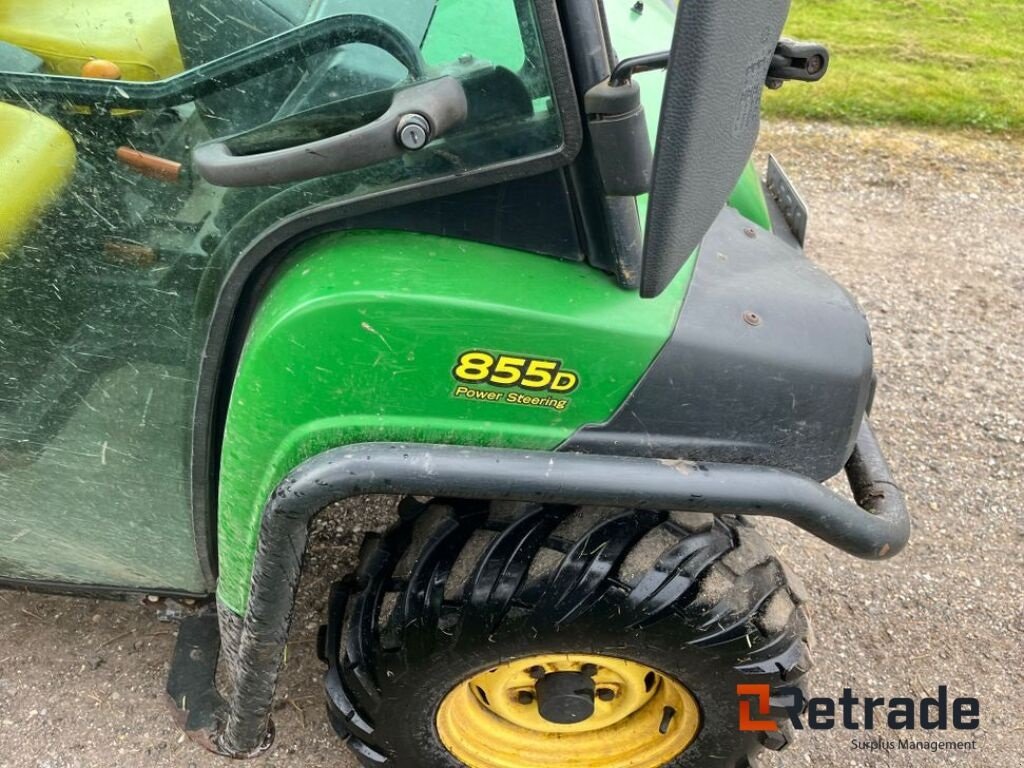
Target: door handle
417, 115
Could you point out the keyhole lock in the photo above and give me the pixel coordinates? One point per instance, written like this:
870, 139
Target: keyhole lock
413, 131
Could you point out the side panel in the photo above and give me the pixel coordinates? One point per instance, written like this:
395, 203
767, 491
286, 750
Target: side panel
359, 338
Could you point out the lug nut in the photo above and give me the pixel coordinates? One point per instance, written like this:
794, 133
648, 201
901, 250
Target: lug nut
525, 697
589, 669
538, 672
605, 694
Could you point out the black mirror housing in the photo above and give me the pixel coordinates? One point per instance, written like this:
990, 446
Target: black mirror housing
710, 117
618, 131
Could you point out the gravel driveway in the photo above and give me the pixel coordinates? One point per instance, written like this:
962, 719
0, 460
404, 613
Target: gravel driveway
926, 229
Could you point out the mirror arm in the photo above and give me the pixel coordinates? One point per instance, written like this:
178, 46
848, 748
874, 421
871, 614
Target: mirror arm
792, 60
634, 65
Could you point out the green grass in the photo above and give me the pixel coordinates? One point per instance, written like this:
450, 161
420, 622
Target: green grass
946, 63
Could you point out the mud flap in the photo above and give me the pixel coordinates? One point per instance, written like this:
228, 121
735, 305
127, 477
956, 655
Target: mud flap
191, 684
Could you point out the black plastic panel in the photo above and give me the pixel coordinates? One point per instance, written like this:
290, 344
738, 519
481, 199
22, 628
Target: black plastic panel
770, 363
533, 214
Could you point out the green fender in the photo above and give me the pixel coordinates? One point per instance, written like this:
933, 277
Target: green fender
359, 340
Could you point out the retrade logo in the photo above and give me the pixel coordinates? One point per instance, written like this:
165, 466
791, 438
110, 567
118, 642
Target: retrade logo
852, 713
755, 707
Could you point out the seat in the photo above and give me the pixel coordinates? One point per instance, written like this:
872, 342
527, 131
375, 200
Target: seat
37, 159
137, 35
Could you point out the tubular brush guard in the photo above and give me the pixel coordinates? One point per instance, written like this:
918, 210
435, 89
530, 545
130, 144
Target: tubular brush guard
876, 527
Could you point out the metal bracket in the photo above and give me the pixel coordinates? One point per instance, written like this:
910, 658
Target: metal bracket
191, 683
794, 209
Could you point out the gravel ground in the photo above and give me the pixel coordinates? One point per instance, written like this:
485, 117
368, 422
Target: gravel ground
926, 229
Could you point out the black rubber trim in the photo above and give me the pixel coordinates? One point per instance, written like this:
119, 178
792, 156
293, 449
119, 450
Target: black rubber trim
99, 591
243, 286
192, 679
878, 528
610, 225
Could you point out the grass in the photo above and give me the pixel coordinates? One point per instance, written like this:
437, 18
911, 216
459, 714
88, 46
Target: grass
945, 63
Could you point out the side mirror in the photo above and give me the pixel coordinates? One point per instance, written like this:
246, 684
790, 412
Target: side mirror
710, 117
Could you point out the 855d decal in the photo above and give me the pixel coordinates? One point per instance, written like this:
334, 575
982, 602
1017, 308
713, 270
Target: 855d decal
541, 377
535, 373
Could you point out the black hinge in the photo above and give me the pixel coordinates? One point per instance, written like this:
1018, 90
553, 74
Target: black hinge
796, 60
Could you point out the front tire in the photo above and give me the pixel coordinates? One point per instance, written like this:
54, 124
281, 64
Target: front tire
462, 598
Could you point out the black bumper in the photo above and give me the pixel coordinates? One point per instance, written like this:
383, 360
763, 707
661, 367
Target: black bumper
876, 526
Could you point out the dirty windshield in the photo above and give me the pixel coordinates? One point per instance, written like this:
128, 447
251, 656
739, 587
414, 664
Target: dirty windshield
113, 249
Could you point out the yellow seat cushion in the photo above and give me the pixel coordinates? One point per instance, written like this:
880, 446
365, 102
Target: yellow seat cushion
37, 159
137, 35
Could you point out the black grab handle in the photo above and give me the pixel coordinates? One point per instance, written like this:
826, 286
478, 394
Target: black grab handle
417, 115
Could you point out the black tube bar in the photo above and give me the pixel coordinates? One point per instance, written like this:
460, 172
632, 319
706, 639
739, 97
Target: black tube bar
878, 528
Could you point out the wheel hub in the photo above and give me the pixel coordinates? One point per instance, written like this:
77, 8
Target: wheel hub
568, 711
565, 697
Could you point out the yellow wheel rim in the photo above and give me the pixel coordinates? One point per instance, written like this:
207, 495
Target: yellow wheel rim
641, 717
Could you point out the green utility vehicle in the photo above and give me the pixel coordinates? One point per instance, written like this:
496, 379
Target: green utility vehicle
505, 259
